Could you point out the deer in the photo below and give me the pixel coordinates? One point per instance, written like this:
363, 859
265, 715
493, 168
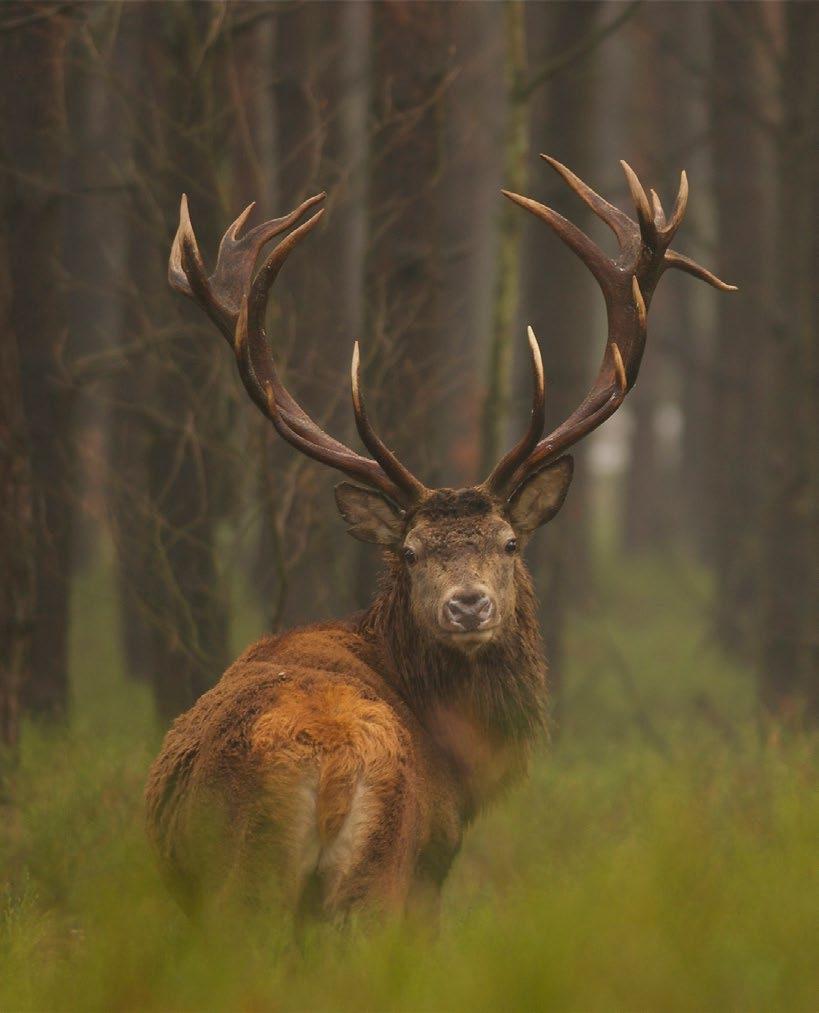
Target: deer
335, 768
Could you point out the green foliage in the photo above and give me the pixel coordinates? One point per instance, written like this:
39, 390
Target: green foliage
662, 856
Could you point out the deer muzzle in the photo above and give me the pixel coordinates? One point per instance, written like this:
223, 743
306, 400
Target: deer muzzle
468, 610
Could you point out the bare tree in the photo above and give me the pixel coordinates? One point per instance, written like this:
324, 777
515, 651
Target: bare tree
171, 421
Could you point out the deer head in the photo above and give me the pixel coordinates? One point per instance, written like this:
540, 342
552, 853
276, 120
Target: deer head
457, 551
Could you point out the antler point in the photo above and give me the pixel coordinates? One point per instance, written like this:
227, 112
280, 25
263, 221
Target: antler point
619, 368
638, 300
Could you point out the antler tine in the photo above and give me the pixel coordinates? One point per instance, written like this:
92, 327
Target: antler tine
237, 256
679, 207
657, 209
518, 454
682, 263
618, 222
187, 274
648, 229
588, 251
402, 477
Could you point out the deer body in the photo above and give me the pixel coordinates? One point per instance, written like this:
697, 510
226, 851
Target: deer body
346, 758
338, 765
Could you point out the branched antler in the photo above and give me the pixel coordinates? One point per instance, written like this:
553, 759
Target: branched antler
236, 301
627, 283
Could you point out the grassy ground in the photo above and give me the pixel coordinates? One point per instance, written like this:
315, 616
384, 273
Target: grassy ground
662, 856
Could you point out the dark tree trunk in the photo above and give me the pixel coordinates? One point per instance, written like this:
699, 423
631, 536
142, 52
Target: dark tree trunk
131, 510
32, 105
558, 300
320, 105
475, 169
16, 526
401, 360
735, 494
790, 655
646, 506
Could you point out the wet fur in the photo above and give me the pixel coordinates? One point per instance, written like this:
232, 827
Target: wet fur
335, 766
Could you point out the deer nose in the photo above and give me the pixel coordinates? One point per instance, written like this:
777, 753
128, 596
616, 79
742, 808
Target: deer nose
468, 609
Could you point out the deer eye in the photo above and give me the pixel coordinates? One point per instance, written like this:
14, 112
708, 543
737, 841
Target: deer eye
409, 556
511, 547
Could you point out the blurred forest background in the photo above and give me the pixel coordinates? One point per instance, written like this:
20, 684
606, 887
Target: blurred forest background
151, 524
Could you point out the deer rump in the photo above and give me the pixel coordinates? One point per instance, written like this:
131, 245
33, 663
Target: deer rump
300, 779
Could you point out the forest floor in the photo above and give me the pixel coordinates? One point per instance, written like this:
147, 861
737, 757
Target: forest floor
661, 857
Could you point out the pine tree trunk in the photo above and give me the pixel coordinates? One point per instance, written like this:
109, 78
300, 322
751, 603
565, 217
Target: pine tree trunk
790, 687
32, 114
16, 526
403, 272
558, 300
735, 494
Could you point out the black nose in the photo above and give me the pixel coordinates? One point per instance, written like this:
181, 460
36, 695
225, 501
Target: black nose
467, 610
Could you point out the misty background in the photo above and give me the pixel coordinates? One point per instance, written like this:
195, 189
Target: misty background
662, 855
129, 444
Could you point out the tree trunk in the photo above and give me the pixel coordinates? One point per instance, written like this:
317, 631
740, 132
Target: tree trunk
558, 300
320, 108
506, 304
401, 361
16, 527
473, 175
790, 653
32, 114
737, 478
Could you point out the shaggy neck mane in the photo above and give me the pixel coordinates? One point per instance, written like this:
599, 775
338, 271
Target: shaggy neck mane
501, 685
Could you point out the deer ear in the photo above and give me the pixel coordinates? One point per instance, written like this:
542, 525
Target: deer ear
371, 516
540, 497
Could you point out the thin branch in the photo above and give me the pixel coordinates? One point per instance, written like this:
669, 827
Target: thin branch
41, 15
582, 48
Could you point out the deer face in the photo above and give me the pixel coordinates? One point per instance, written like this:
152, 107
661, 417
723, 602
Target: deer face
459, 550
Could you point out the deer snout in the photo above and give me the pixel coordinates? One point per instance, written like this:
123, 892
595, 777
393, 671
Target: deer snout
468, 609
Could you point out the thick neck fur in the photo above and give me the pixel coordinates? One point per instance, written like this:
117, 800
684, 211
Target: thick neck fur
501, 686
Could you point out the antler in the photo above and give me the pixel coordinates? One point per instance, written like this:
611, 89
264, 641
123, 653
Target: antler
627, 283
236, 301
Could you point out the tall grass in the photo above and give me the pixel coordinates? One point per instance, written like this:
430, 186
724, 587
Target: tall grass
663, 855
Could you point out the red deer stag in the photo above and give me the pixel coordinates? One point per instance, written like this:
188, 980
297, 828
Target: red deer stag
340, 763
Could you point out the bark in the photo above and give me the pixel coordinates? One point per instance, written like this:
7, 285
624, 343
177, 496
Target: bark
645, 514
506, 304
558, 300
32, 114
16, 527
737, 381
402, 366
319, 113
789, 686
473, 175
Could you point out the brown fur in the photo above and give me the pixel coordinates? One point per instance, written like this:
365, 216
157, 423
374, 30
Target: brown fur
337, 765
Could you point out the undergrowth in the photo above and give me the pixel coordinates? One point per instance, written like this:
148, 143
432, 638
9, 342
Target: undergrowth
661, 857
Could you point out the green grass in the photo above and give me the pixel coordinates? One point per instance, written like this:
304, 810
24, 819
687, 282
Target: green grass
661, 857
